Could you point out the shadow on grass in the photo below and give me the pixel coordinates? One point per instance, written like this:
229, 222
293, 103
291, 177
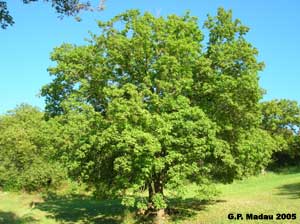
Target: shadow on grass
287, 170
12, 218
181, 209
85, 209
75, 208
290, 190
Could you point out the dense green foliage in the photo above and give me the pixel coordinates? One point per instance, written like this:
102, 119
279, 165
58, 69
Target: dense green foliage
281, 118
146, 105
228, 91
26, 153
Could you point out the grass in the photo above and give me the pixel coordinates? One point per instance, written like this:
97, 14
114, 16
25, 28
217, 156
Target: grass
268, 194
271, 193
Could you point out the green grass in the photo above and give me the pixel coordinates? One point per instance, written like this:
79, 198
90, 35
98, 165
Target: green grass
271, 193
268, 194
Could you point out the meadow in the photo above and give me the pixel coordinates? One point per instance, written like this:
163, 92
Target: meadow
269, 193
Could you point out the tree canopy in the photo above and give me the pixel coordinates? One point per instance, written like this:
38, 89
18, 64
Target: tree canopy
281, 118
147, 105
27, 155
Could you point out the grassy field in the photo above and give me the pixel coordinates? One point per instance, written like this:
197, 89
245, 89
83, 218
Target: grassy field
269, 194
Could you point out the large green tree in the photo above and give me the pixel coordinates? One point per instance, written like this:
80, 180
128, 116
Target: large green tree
145, 106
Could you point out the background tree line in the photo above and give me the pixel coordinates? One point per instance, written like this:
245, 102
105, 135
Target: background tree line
148, 106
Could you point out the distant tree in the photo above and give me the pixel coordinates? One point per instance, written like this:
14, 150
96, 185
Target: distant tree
145, 106
26, 151
281, 118
62, 7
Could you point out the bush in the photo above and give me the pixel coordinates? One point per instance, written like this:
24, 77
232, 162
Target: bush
42, 176
39, 176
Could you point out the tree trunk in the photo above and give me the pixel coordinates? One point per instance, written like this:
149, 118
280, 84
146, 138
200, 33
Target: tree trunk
151, 193
156, 187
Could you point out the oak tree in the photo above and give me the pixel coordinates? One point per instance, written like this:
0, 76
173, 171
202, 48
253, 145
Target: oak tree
146, 105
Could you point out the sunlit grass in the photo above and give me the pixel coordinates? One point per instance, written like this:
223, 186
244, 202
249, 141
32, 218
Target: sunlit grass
271, 193
268, 194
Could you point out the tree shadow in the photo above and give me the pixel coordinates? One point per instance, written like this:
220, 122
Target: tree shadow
291, 190
86, 209
181, 209
12, 218
287, 170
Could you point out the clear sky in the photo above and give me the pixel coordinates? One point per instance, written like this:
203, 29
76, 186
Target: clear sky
25, 47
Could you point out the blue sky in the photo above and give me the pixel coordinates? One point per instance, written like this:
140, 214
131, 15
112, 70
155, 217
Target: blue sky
25, 47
